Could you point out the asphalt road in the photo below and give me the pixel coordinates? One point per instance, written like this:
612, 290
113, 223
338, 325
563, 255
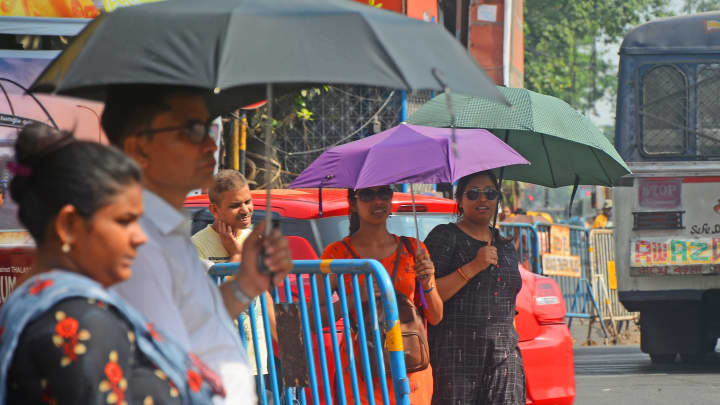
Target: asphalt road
624, 375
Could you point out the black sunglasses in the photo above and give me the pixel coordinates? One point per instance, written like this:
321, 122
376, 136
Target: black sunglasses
194, 131
474, 193
368, 194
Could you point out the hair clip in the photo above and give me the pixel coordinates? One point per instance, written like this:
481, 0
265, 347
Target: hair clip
18, 169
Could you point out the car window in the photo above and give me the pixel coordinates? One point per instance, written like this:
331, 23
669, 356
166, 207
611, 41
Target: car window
321, 232
404, 224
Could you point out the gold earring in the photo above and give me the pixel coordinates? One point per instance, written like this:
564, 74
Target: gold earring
65, 247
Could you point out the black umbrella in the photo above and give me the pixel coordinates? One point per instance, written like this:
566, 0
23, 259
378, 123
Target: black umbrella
235, 47
244, 50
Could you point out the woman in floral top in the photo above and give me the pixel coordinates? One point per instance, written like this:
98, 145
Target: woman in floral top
64, 338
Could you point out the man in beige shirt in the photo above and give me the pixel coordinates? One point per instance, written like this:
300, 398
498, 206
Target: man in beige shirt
222, 241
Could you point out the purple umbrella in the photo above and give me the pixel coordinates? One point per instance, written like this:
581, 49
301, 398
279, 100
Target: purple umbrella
408, 154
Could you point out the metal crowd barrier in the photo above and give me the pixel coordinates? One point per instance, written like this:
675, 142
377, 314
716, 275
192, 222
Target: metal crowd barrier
604, 278
534, 240
525, 238
326, 387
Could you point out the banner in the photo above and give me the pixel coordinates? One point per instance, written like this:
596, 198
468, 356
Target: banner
680, 251
49, 8
558, 265
560, 240
559, 262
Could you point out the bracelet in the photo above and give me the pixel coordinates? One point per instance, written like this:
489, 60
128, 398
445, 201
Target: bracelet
239, 295
462, 274
429, 291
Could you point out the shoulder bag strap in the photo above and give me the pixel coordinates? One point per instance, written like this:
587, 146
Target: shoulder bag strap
350, 249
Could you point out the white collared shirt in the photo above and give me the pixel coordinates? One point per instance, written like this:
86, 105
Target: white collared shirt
169, 285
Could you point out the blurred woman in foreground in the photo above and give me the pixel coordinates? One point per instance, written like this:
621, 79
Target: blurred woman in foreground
65, 338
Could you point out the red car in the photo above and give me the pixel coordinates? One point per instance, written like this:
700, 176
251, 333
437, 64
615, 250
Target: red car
545, 340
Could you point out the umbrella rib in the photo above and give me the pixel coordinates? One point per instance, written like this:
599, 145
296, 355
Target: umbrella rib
547, 156
610, 181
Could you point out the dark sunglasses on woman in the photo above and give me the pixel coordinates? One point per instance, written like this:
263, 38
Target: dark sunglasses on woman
474, 193
194, 131
368, 194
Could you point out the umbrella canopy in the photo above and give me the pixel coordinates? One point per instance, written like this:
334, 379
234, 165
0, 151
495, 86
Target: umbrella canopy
564, 147
407, 154
235, 47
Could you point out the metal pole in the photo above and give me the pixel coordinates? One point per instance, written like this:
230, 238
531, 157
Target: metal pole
458, 18
243, 142
234, 145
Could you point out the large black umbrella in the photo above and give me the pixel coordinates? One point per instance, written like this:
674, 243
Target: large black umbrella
235, 47
244, 50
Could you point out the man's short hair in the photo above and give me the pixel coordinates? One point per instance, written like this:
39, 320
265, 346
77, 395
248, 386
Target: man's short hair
225, 180
131, 108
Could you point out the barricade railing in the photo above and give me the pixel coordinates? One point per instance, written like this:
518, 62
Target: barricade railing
602, 268
325, 371
525, 238
579, 299
532, 241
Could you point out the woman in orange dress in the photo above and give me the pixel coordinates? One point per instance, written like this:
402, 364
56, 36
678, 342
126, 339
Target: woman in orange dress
369, 238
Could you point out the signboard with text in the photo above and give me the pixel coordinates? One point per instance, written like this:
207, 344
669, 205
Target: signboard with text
660, 193
559, 261
674, 251
559, 265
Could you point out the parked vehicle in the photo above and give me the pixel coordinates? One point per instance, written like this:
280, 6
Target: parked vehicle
545, 340
666, 216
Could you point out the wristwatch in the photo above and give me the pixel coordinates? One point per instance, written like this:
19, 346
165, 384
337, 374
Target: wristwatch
239, 295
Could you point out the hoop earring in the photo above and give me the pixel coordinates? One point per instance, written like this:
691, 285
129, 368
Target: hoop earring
65, 248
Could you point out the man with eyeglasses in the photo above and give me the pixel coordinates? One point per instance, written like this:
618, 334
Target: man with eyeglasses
166, 131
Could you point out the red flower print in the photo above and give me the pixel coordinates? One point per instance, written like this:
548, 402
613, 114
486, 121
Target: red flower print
116, 384
67, 328
194, 380
39, 285
68, 337
154, 333
113, 372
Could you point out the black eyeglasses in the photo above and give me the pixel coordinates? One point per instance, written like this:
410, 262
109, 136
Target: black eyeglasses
368, 194
474, 193
194, 131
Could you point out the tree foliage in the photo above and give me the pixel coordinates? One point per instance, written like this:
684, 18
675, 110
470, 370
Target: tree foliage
564, 53
699, 6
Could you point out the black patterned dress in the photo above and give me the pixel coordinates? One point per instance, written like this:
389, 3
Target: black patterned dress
474, 350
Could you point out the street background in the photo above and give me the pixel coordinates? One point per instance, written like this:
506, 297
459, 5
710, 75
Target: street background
622, 374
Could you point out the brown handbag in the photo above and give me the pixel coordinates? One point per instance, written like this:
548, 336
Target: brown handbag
412, 324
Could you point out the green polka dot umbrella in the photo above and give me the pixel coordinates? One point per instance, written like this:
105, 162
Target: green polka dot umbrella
563, 146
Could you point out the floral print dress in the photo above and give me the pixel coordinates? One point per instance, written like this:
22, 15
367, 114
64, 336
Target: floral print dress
64, 339
82, 351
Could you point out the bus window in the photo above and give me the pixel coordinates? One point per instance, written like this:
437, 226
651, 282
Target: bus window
663, 111
708, 110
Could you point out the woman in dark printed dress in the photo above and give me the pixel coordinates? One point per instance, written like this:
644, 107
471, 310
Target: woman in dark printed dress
64, 338
474, 350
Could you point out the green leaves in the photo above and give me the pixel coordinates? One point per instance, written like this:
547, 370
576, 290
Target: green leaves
564, 53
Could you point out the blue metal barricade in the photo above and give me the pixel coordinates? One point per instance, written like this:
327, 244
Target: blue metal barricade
326, 387
532, 241
525, 238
